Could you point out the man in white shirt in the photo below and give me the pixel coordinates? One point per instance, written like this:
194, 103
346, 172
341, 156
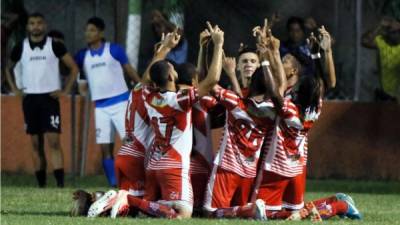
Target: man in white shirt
104, 65
39, 56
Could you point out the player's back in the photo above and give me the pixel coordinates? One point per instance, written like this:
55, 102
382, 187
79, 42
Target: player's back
287, 156
246, 126
170, 115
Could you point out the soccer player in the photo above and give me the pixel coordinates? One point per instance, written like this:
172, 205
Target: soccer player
248, 62
202, 153
104, 64
249, 120
39, 56
283, 183
130, 160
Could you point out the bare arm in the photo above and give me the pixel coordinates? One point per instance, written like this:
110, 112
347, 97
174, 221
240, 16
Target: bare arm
170, 41
331, 69
270, 84
214, 72
229, 66
315, 47
268, 47
82, 87
73, 68
280, 76
203, 39
9, 67
132, 73
326, 45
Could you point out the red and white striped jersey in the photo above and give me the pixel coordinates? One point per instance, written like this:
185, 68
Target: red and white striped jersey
287, 153
247, 123
139, 134
202, 155
170, 115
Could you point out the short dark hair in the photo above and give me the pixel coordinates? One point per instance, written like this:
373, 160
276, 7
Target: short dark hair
257, 83
186, 73
97, 22
247, 50
56, 34
308, 93
36, 15
294, 20
159, 72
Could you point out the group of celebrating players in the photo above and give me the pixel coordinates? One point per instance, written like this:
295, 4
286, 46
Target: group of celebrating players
167, 168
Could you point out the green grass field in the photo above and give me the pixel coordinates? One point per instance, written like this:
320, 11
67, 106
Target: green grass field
23, 204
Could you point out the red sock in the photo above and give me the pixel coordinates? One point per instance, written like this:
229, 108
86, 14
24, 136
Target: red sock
335, 208
152, 208
324, 201
278, 215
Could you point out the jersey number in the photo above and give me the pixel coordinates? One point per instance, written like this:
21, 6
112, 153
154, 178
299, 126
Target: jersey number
162, 142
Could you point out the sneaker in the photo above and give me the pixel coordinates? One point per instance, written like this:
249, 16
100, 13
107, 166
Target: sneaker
103, 204
352, 211
260, 210
344, 197
121, 206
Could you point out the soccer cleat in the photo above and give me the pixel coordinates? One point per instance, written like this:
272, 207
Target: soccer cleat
352, 211
103, 204
260, 210
344, 197
121, 206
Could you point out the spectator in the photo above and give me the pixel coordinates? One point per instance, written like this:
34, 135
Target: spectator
296, 44
386, 39
162, 26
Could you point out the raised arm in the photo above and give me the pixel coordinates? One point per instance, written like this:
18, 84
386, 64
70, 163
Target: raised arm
214, 72
268, 48
368, 38
326, 45
203, 40
315, 47
270, 84
167, 43
229, 66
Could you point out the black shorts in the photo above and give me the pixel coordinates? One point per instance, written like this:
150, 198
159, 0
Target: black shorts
41, 114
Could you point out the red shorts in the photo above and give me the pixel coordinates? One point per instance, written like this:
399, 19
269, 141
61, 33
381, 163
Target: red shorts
226, 189
129, 171
278, 191
168, 185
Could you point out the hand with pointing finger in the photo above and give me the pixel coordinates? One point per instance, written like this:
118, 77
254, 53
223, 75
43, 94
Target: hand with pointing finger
217, 35
204, 37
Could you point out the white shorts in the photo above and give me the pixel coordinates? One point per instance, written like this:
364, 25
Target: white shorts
107, 120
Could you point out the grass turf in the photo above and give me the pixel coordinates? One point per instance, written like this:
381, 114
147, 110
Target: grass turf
23, 204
